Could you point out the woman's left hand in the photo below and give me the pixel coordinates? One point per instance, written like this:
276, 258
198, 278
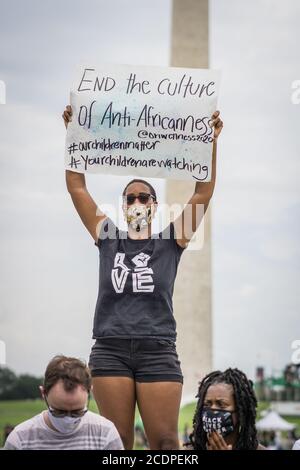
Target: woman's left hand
217, 124
216, 442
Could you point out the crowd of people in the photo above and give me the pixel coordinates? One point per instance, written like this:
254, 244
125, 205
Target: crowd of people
224, 417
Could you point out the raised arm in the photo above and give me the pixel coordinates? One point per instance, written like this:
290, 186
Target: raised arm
86, 207
190, 218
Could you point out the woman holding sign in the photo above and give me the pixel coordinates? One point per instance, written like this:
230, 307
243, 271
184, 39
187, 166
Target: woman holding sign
134, 358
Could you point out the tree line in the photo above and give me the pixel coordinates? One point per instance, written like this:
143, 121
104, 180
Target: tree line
18, 387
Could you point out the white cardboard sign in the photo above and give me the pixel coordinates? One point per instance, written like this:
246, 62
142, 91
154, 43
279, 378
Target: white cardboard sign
142, 121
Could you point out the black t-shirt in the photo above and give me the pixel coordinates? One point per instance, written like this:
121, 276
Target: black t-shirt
136, 281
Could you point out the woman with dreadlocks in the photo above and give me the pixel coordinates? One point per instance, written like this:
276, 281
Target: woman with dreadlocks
225, 413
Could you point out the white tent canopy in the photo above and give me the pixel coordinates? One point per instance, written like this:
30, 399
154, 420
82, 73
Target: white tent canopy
273, 422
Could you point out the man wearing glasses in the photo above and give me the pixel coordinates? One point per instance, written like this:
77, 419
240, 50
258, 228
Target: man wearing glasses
67, 423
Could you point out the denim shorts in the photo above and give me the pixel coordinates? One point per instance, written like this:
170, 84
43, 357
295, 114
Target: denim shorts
143, 359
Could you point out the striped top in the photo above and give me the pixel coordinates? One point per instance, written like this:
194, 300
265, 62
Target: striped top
94, 432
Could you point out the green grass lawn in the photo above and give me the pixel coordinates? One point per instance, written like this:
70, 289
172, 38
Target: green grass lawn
15, 412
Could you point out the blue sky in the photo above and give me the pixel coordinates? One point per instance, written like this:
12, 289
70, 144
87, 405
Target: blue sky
49, 265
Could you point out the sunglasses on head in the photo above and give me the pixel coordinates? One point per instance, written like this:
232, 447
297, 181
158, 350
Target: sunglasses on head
63, 413
142, 197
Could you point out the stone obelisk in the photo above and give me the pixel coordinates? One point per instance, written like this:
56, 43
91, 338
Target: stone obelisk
192, 292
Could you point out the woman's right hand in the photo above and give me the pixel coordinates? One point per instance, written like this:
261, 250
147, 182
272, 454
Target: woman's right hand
217, 442
67, 115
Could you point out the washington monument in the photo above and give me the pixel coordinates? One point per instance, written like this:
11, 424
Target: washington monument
192, 293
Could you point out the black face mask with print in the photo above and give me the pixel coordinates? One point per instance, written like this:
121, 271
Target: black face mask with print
217, 420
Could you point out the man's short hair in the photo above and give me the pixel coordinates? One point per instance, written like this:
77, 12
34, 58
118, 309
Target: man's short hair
71, 371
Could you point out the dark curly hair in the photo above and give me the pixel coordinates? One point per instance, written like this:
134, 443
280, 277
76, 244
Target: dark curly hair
246, 404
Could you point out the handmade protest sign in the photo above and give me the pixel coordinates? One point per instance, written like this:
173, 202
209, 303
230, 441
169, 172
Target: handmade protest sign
143, 121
